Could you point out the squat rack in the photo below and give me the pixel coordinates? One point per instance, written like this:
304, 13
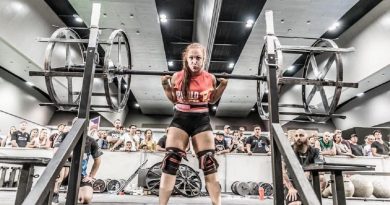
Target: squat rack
75, 141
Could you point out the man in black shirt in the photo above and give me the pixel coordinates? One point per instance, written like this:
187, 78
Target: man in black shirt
379, 148
221, 146
306, 155
161, 144
53, 137
257, 143
91, 150
20, 137
356, 149
114, 135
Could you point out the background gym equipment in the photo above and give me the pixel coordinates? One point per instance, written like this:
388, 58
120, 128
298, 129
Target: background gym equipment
240, 188
381, 188
363, 186
188, 182
349, 188
268, 189
99, 186
117, 59
114, 185
253, 188
124, 185
320, 58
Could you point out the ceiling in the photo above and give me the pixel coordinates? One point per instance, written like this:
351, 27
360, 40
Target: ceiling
221, 25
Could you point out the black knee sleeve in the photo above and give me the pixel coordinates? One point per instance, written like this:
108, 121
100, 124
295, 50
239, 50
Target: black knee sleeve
207, 161
172, 159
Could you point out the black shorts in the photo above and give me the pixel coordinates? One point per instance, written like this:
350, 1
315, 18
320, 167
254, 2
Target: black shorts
66, 179
191, 123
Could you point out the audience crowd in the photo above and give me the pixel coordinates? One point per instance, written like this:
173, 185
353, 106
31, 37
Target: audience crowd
132, 139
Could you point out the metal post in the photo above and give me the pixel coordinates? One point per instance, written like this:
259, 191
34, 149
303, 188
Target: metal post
84, 107
273, 99
338, 188
316, 184
25, 183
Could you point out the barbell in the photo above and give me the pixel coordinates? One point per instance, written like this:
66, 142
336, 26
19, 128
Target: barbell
116, 72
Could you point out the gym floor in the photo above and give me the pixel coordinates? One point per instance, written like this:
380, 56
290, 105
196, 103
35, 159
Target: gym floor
8, 197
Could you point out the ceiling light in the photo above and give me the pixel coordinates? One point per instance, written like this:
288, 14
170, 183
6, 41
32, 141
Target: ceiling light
170, 63
77, 18
334, 26
136, 105
253, 109
231, 65
291, 68
359, 94
214, 107
249, 23
29, 83
163, 18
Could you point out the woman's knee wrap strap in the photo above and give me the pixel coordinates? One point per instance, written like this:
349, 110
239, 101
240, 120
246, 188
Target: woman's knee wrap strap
170, 163
207, 162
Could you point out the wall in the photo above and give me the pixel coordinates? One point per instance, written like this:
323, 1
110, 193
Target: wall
370, 37
321, 127
19, 102
369, 110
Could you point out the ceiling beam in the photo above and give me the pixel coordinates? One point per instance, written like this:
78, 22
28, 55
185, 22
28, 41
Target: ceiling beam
206, 15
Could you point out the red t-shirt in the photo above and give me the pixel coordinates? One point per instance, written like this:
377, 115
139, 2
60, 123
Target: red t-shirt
200, 89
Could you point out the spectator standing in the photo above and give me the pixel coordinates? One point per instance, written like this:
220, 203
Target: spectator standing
312, 141
237, 145
356, 149
326, 145
114, 135
242, 136
20, 137
7, 142
50, 141
221, 146
228, 135
138, 136
341, 149
102, 139
257, 143
148, 144
161, 144
367, 148
379, 148
127, 137
33, 138
41, 142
